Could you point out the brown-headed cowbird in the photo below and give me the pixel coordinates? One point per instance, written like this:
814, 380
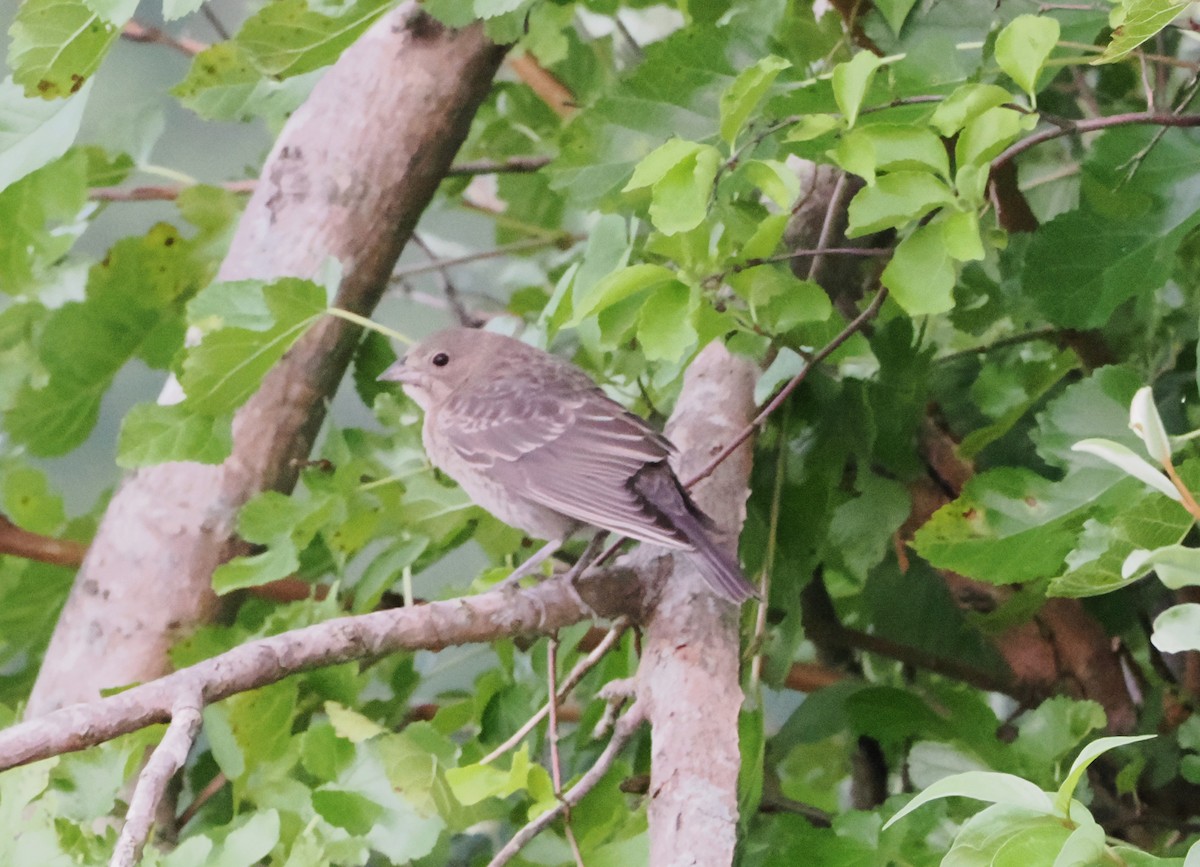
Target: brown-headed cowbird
532, 439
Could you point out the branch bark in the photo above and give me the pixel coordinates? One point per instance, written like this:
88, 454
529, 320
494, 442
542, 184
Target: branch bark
688, 679
348, 178
538, 610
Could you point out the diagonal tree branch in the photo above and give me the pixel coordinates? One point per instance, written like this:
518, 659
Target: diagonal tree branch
348, 178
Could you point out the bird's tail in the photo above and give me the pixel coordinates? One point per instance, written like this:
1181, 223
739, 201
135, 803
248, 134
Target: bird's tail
662, 493
718, 567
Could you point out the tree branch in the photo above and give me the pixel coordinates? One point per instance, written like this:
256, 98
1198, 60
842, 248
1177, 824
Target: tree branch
853, 327
537, 610
168, 757
625, 729
18, 542
1092, 125
348, 178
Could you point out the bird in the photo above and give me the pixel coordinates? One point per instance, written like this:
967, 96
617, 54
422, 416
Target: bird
534, 440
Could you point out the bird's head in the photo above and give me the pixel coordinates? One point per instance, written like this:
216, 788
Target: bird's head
431, 370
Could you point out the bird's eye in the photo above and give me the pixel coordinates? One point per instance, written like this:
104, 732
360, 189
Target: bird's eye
441, 359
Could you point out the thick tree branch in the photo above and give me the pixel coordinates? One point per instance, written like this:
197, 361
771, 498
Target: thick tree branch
688, 679
348, 178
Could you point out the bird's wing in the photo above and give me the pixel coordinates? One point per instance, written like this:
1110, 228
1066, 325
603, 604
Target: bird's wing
563, 445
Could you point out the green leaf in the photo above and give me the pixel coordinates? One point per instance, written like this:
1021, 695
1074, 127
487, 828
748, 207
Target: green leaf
921, 274
1135, 22
35, 132
1175, 565
473, 783
154, 434
1023, 47
286, 38
140, 285
224, 84
986, 786
350, 811
746, 92
894, 12
40, 213
229, 363
1003, 835
1011, 525
891, 147
896, 199
666, 328
57, 45
1089, 754
989, 133
679, 199
351, 725
176, 9
1124, 245
1103, 560
777, 182
656, 164
811, 126
618, 286
965, 104
286, 525
850, 82
1041, 379
1177, 629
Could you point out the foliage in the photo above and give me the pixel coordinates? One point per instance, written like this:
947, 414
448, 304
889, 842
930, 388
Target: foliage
1023, 342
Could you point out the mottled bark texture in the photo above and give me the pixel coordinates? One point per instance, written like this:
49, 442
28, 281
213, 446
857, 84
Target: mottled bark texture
348, 178
688, 681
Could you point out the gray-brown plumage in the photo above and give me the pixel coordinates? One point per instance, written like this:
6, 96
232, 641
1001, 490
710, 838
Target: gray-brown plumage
532, 439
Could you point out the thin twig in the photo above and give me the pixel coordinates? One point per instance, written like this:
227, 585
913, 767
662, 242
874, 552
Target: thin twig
168, 757
161, 192
202, 797
623, 733
135, 32
846, 333
562, 241
1045, 333
464, 316
510, 166
572, 680
834, 207
552, 704
1092, 125
214, 22
552, 734
764, 585
170, 192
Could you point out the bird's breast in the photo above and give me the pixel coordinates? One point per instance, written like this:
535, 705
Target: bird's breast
499, 499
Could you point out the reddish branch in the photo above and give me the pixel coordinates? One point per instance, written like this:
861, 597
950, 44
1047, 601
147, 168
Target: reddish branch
1076, 127
17, 542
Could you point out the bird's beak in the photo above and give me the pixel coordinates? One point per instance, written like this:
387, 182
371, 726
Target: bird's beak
398, 373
